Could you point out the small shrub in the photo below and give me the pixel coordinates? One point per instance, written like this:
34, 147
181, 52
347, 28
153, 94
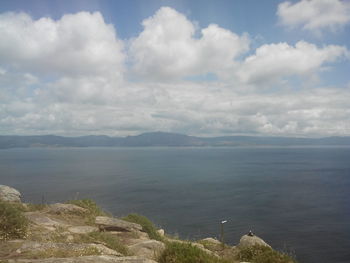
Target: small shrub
88, 204
177, 252
109, 241
262, 254
35, 207
147, 225
93, 209
12, 222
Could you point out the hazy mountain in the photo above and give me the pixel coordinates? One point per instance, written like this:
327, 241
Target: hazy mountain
162, 139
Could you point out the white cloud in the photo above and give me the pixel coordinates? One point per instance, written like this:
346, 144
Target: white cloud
167, 48
77, 57
78, 43
315, 15
66, 77
273, 62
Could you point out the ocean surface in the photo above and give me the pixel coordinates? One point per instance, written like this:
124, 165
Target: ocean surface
296, 199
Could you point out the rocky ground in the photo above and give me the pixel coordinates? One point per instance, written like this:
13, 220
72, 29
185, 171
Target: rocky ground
70, 233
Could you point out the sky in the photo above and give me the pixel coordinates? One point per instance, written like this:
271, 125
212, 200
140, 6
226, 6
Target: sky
198, 67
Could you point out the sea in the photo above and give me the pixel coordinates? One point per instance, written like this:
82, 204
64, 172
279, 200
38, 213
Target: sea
296, 198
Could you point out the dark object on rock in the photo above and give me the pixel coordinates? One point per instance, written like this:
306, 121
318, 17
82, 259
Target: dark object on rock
250, 233
113, 224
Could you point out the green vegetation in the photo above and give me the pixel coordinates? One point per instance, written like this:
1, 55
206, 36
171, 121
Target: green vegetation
104, 238
262, 254
35, 207
147, 225
178, 252
13, 223
93, 209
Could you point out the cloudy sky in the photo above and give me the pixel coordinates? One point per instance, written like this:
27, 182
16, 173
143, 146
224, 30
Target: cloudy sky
189, 66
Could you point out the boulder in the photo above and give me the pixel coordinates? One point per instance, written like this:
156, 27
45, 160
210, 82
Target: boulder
82, 229
113, 224
86, 259
42, 220
150, 249
59, 208
249, 241
9, 194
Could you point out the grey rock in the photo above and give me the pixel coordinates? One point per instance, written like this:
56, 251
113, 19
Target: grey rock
86, 259
9, 194
249, 241
33, 246
82, 229
59, 208
43, 220
113, 224
150, 249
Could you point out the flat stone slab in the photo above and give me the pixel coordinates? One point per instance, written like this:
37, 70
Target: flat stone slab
82, 229
59, 208
43, 220
113, 224
86, 259
150, 249
33, 246
9, 194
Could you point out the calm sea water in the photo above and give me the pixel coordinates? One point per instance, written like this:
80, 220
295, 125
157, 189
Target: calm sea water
297, 199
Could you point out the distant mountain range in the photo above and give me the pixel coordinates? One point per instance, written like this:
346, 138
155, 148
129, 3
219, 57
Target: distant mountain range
163, 139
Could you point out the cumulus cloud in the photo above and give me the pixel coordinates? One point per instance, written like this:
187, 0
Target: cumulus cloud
167, 47
315, 15
67, 77
274, 61
71, 54
78, 43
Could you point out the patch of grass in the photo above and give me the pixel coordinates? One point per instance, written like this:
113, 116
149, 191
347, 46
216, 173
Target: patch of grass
35, 207
63, 253
93, 209
13, 223
177, 252
262, 254
147, 225
212, 246
103, 238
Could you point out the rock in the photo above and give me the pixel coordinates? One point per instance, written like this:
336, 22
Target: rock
9, 194
212, 244
161, 232
113, 224
211, 240
150, 249
33, 246
82, 229
249, 241
42, 220
200, 246
86, 259
59, 208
